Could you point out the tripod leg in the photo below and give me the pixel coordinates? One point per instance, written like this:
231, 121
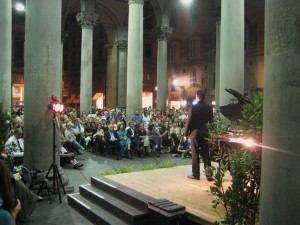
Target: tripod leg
60, 180
56, 180
49, 170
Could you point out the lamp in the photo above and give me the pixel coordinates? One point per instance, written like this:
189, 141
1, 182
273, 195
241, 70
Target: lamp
55, 107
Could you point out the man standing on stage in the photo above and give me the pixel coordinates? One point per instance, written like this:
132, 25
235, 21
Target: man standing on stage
198, 116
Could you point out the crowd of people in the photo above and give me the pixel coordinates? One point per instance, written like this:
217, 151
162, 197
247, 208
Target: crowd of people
143, 133
107, 131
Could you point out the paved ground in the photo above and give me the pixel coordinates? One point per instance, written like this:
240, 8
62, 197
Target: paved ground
61, 214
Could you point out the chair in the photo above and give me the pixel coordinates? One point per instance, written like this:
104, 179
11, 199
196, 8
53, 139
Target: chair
35, 178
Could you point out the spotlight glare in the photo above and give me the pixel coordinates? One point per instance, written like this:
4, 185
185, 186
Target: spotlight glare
20, 7
186, 2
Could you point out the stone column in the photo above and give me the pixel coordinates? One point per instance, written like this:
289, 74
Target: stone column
217, 66
231, 49
42, 79
280, 184
111, 94
87, 20
122, 70
162, 70
135, 56
5, 53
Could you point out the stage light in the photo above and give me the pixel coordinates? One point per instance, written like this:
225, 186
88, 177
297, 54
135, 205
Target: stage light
55, 106
20, 7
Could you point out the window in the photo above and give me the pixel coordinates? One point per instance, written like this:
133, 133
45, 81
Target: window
192, 48
193, 76
173, 52
173, 20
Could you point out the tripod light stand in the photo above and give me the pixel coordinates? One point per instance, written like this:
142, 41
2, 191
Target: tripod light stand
56, 107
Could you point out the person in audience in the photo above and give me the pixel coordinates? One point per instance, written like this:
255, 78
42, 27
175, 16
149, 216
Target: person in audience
9, 207
88, 133
184, 148
141, 132
159, 115
78, 131
125, 142
68, 158
146, 119
15, 147
136, 118
99, 139
112, 138
164, 133
132, 133
154, 136
69, 143
175, 136
70, 136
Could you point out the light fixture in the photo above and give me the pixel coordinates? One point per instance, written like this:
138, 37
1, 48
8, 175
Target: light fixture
186, 2
20, 7
175, 82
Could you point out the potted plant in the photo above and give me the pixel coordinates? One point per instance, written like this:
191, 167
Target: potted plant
241, 198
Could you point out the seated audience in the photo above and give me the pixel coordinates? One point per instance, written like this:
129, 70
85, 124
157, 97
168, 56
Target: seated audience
112, 138
154, 136
132, 133
175, 136
15, 147
68, 158
125, 142
99, 139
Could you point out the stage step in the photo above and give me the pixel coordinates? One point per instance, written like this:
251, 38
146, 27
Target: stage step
113, 205
107, 202
126, 194
93, 212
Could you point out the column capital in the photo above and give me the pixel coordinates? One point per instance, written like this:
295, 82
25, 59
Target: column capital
162, 33
87, 19
122, 45
136, 2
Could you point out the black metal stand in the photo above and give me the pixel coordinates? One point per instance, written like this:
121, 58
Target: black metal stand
57, 181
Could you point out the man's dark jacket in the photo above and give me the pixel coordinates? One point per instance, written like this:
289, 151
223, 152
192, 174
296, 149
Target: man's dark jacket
198, 116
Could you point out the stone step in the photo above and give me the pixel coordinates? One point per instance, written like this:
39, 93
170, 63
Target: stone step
114, 205
119, 191
93, 212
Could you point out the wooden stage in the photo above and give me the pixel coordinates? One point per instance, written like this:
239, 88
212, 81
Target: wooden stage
172, 184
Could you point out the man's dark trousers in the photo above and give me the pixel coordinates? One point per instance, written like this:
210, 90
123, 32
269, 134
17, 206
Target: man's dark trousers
199, 146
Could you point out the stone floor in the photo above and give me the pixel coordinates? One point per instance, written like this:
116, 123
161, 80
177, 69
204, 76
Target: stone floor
61, 214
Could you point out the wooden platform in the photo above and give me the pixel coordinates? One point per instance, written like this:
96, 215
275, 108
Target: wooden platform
172, 184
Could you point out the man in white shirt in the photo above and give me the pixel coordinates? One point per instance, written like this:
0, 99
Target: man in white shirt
14, 145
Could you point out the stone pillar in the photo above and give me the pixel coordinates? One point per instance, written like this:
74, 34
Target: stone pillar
5, 53
135, 56
42, 79
111, 93
231, 49
122, 70
86, 20
217, 67
280, 183
162, 70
